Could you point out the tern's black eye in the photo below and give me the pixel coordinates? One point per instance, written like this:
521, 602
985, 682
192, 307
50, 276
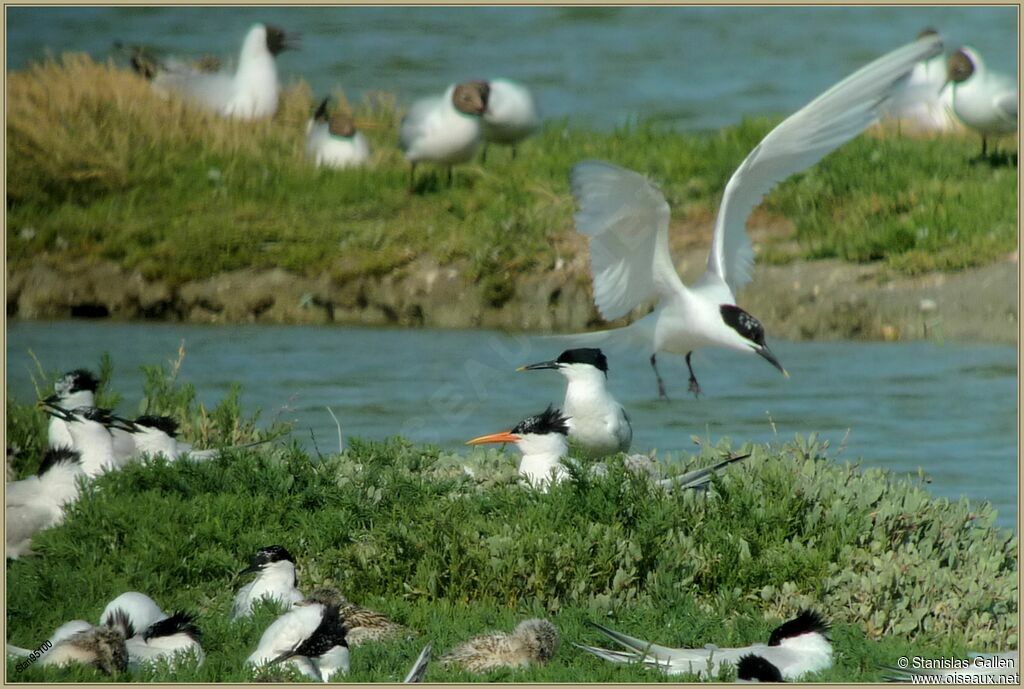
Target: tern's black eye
743, 323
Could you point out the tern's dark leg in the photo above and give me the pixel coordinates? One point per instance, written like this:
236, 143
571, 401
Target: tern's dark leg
984, 146
514, 151
694, 385
483, 156
661, 383
412, 176
449, 175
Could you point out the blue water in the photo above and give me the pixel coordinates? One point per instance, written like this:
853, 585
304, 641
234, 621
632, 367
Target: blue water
948, 409
694, 67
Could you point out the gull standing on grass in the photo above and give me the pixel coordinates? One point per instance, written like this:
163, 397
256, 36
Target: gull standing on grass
627, 220
985, 101
250, 92
444, 130
595, 418
332, 140
511, 115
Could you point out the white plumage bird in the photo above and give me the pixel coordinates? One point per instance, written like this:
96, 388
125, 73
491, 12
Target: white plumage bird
627, 219
444, 130
38, 502
984, 100
511, 114
332, 140
796, 648
275, 579
922, 102
250, 92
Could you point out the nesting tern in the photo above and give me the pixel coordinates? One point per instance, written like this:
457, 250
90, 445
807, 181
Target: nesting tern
332, 140
310, 637
275, 578
595, 418
984, 100
169, 639
627, 220
544, 442
250, 92
137, 609
511, 115
444, 130
796, 648
532, 642
38, 502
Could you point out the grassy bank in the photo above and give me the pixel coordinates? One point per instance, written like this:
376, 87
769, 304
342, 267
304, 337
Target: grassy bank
404, 529
109, 170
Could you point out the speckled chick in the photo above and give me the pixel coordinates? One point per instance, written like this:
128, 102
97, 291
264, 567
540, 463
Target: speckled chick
532, 641
364, 625
102, 647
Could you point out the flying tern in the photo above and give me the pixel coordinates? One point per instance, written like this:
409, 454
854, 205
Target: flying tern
627, 220
595, 418
796, 648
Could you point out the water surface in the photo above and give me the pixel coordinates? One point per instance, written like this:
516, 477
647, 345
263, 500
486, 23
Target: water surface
947, 409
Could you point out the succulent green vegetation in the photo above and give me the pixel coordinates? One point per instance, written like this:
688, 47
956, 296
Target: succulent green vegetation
405, 529
112, 171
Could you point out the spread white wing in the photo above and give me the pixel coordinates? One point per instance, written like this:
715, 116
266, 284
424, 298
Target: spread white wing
626, 218
827, 122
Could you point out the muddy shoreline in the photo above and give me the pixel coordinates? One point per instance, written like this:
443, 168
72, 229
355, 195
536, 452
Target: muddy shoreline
798, 301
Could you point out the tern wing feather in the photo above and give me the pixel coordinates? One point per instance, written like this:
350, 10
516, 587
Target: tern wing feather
662, 653
626, 218
1006, 104
419, 669
804, 138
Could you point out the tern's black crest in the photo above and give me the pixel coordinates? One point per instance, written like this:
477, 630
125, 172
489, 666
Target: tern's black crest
755, 668
271, 554
55, 456
585, 355
164, 423
321, 112
178, 623
278, 41
329, 633
77, 381
807, 622
548, 421
743, 323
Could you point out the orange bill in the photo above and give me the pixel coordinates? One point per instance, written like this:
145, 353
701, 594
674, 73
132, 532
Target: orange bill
503, 437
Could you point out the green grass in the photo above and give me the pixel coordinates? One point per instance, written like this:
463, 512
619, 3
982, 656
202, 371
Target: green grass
404, 529
111, 171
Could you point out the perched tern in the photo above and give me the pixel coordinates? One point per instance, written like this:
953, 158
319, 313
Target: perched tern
275, 578
332, 140
627, 220
543, 440
38, 502
75, 389
796, 648
90, 429
532, 642
310, 636
364, 625
444, 130
595, 419
250, 92
80, 642
511, 115
166, 639
983, 100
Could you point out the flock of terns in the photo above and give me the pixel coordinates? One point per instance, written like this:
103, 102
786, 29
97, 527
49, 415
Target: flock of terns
627, 219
